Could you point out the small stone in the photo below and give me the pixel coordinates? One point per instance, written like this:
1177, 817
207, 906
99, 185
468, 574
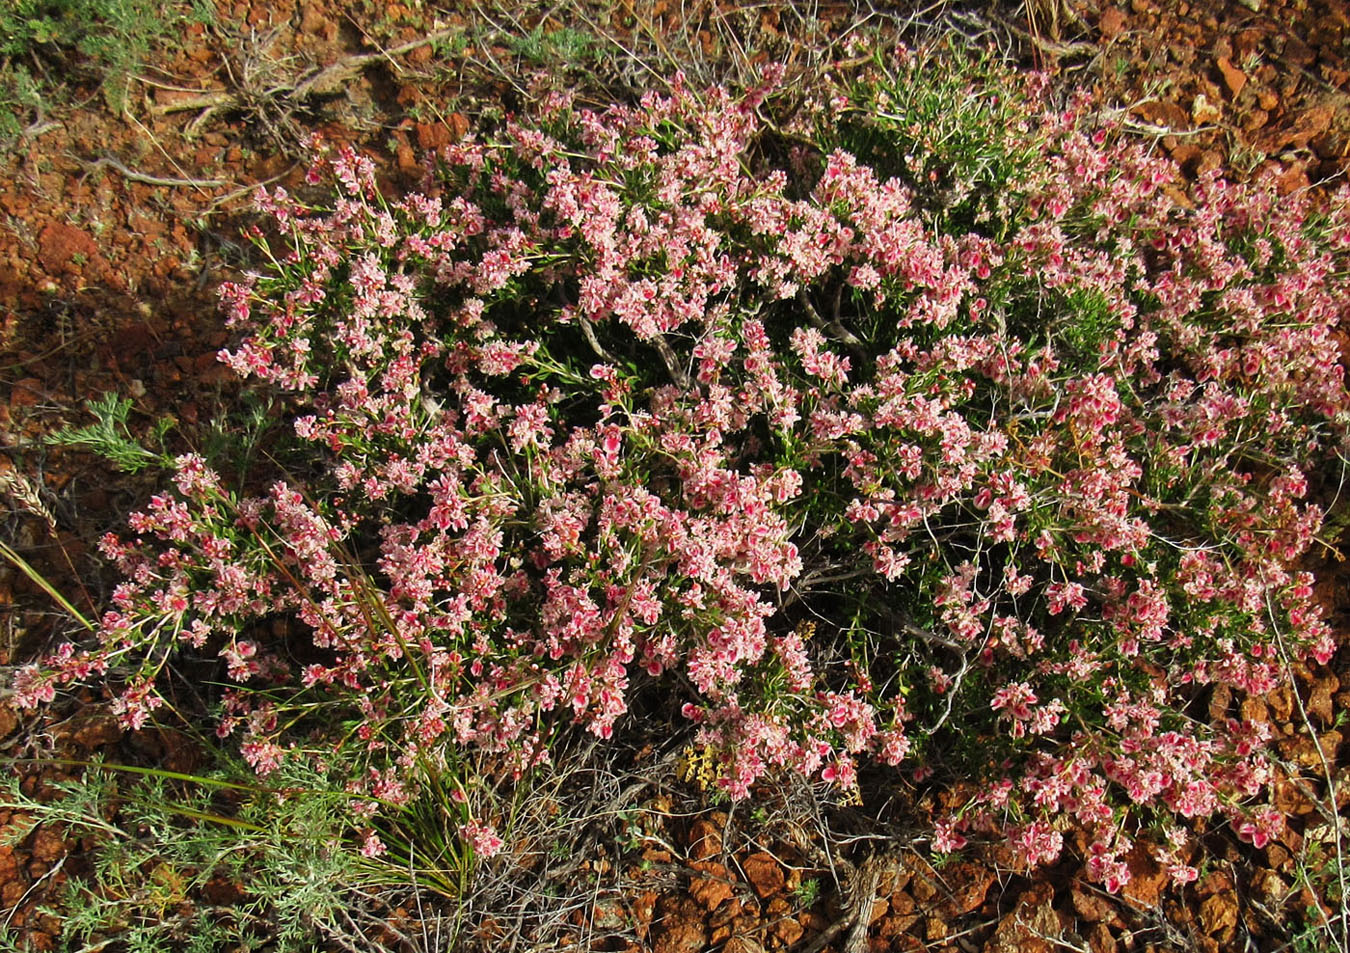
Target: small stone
971, 884
1281, 700
1298, 52
765, 874
1320, 699
1277, 857
705, 840
1186, 154
11, 893
64, 248
1222, 695
644, 908
1091, 906
1303, 752
1311, 124
222, 892
1255, 710
1147, 877
782, 924
9, 865
680, 928
1100, 940
726, 914
433, 135
742, 944
714, 886
1233, 78
1288, 799
1271, 885
407, 159
1209, 161
1112, 22
609, 914
1219, 916
1167, 114
48, 846
96, 729
1028, 927
1203, 111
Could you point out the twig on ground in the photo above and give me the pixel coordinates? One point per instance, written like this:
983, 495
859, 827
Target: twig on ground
141, 177
316, 82
859, 893
246, 190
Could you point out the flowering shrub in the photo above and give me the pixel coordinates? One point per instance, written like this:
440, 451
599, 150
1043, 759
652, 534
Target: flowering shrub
627, 399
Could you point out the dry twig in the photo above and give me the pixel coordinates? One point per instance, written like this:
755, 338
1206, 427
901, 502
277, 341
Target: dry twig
133, 176
317, 82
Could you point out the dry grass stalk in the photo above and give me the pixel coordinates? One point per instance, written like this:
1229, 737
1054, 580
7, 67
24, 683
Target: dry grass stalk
22, 491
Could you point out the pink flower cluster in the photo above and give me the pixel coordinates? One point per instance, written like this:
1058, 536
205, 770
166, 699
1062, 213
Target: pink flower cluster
613, 404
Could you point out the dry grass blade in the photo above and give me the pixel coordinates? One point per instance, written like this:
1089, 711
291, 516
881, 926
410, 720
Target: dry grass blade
1337, 926
41, 581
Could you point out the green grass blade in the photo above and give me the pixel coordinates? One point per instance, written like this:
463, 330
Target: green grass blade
41, 581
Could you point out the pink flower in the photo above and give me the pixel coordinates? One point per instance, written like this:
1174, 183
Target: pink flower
947, 837
482, 838
1260, 828
372, 846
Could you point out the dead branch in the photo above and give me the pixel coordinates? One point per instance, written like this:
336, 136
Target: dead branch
317, 82
133, 176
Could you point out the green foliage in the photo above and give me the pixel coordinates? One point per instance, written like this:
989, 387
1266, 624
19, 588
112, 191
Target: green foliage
950, 122
280, 855
110, 438
1322, 868
560, 47
103, 41
807, 893
234, 440
19, 96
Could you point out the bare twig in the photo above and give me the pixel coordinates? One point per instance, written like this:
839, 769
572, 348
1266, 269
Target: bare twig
317, 82
833, 328
859, 893
141, 177
248, 189
588, 329
671, 361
